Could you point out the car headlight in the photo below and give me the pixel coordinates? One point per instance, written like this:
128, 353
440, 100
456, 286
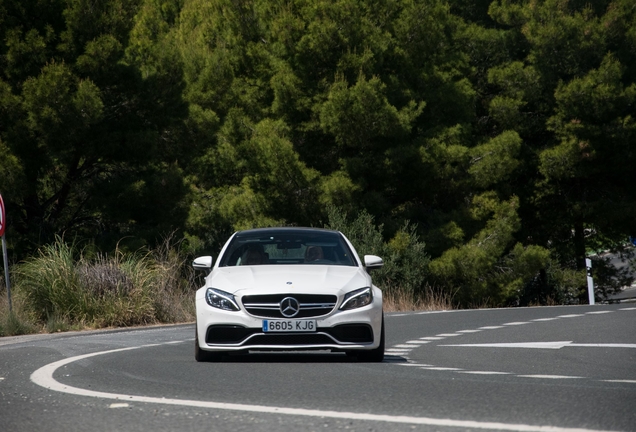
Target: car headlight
221, 300
358, 298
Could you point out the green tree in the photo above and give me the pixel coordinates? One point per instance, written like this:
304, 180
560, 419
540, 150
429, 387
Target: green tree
88, 137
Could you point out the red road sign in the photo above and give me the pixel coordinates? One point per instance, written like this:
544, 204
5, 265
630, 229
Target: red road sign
2, 217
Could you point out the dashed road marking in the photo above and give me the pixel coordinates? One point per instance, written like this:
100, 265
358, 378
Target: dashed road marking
440, 368
550, 376
404, 349
44, 377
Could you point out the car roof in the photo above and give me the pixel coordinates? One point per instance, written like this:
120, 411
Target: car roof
280, 230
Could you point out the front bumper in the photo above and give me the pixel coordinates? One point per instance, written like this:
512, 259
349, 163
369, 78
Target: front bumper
352, 330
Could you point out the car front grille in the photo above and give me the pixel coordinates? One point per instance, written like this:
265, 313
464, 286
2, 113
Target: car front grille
268, 305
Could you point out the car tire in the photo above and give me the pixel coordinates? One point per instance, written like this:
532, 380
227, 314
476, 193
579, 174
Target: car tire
202, 355
375, 355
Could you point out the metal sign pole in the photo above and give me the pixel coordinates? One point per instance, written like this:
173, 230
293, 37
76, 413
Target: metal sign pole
3, 225
6, 270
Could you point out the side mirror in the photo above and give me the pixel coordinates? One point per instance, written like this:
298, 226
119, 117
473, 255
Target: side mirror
202, 263
372, 262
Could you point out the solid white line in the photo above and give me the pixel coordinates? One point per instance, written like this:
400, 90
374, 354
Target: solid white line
44, 377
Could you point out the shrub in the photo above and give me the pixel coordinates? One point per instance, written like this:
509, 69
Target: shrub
403, 276
63, 289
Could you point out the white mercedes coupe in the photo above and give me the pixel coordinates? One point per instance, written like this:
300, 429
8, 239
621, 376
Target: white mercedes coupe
289, 289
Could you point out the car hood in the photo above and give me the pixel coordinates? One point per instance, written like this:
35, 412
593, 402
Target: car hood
288, 279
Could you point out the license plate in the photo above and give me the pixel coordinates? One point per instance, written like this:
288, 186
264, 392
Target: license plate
289, 326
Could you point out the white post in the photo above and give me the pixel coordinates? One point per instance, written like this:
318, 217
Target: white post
590, 281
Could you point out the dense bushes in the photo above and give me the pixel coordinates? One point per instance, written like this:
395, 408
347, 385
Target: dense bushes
62, 288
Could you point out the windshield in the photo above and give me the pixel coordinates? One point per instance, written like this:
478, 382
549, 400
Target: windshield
287, 246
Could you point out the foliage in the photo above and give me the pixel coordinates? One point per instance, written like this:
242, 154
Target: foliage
499, 133
62, 288
405, 261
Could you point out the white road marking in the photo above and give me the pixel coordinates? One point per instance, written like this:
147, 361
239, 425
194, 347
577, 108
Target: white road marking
633, 308
118, 405
570, 316
544, 345
490, 327
413, 364
468, 331
485, 373
543, 319
417, 341
598, 312
550, 376
621, 381
44, 377
439, 368
447, 335
431, 338
406, 346
516, 323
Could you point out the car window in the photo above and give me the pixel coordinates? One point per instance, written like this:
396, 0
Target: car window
285, 247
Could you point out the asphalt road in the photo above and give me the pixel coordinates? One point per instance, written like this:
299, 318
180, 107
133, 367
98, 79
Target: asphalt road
557, 369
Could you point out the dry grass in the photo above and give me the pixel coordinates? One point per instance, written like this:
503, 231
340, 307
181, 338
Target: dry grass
401, 301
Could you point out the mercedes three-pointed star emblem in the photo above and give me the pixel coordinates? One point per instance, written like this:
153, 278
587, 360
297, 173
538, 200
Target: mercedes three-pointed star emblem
289, 307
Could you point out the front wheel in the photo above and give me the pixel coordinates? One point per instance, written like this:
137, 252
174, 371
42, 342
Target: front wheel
375, 355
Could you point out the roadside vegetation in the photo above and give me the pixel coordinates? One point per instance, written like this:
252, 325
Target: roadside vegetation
485, 148
66, 288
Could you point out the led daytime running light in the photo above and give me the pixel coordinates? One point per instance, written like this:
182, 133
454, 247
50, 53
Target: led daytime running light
221, 300
358, 298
